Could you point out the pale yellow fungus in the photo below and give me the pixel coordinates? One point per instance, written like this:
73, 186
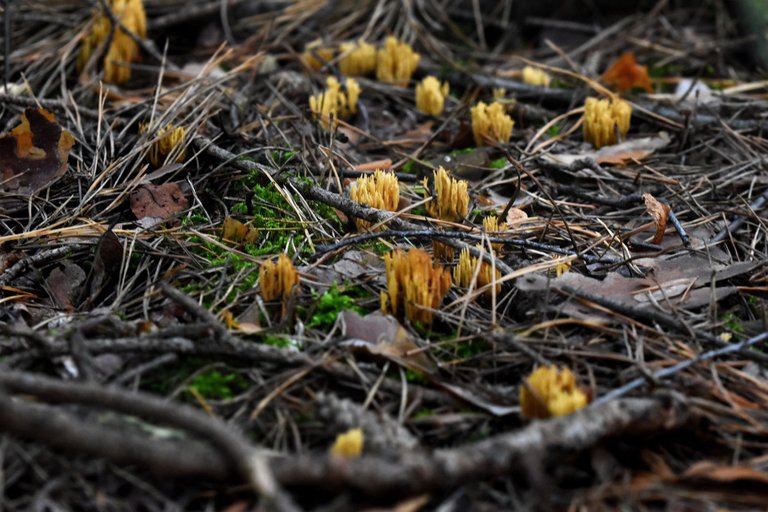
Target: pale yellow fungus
380, 190
536, 76
415, 286
167, 140
490, 124
492, 227
276, 280
357, 59
604, 120
122, 49
550, 391
450, 200
430, 96
349, 444
314, 50
465, 270
335, 103
396, 62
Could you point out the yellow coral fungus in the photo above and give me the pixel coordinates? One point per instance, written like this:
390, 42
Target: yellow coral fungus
277, 279
415, 286
490, 123
168, 139
379, 190
492, 227
603, 119
349, 444
550, 391
335, 103
357, 59
536, 76
430, 96
465, 271
450, 200
314, 50
396, 62
122, 49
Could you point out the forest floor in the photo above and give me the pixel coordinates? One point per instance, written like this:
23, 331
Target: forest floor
152, 359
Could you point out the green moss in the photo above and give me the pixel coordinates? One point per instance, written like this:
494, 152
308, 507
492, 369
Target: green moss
329, 305
424, 412
732, 323
279, 341
499, 163
553, 130
216, 385
415, 377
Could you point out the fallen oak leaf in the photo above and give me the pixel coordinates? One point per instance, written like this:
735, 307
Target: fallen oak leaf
106, 265
63, 284
660, 213
34, 153
161, 201
617, 154
382, 336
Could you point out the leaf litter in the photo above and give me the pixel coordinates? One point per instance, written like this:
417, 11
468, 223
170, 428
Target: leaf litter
636, 269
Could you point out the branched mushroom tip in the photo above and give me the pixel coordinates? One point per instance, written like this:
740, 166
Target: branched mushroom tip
550, 391
603, 119
349, 444
122, 49
491, 124
415, 285
380, 190
312, 51
465, 271
450, 201
396, 62
430, 96
357, 59
335, 102
168, 138
536, 76
491, 225
277, 279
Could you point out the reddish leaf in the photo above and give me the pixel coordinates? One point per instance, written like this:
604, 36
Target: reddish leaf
659, 212
625, 73
160, 201
63, 283
106, 264
34, 153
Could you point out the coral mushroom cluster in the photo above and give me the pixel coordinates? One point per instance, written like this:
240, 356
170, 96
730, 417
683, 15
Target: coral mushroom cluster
605, 120
415, 287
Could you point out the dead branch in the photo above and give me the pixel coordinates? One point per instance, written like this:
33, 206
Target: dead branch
495, 457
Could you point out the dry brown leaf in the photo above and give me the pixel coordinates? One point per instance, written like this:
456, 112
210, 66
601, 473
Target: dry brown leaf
625, 73
235, 231
617, 154
159, 201
383, 336
516, 216
106, 264
63, 284
660, 213
34, 153
685, 281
